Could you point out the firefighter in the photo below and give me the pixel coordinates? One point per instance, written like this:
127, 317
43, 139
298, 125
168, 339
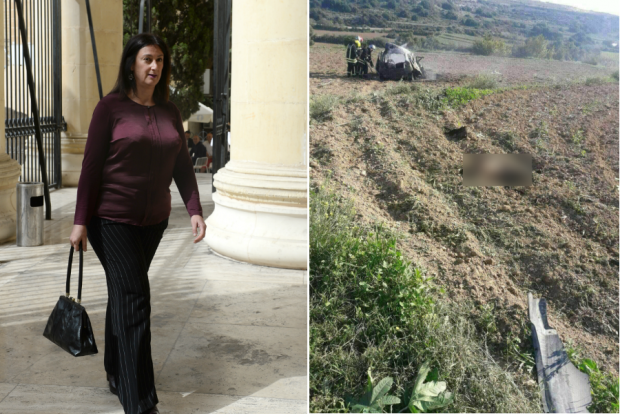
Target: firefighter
352, 55
365, 60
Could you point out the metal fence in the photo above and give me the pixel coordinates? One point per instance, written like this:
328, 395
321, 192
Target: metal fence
42, 20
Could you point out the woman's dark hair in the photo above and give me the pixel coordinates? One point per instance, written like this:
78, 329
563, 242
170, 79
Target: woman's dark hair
134, 45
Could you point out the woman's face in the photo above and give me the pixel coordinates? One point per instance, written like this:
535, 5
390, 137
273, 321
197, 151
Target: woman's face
148, 66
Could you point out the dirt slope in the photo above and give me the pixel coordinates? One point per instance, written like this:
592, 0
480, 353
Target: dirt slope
386, 149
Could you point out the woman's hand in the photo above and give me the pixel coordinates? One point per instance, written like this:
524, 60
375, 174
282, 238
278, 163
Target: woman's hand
198, 224
78, 234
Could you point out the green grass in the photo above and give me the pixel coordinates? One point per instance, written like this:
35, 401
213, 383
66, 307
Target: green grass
596, 81
459, 96
370, 308
321, 107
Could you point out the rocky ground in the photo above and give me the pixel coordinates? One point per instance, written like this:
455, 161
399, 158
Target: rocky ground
384, 146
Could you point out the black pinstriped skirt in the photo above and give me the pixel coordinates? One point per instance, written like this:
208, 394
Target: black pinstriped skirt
126, 252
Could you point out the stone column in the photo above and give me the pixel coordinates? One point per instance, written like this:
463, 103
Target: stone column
79, 79
10, 169
260, 211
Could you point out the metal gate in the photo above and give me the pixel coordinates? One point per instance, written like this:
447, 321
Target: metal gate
42, 21
221, 80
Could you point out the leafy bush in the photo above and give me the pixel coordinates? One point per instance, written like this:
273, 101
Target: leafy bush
604, 388
594, 81
615, 75
489, 46
321, 107
533, 47
591, 60
450, 15
470, 22
447, 6
375, 397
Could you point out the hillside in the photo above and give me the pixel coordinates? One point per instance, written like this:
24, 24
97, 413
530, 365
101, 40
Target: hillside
383, 146
571, 34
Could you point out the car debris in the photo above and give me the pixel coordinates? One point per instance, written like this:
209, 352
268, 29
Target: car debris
563, 387
397, 62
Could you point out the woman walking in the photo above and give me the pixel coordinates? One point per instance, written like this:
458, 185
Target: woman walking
135, 147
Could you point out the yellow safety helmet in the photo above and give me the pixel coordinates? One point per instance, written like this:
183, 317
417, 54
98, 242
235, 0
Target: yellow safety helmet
358, 44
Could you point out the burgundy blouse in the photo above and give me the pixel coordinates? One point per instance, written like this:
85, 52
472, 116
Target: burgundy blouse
132, 154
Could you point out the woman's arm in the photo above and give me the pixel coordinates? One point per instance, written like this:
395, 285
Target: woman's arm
183, 173
95, 154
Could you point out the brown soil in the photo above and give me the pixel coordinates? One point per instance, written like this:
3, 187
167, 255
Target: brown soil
388, 153
327, 62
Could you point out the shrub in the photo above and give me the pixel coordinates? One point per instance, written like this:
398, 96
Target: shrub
595, 81
483, 82
615, 75
321, 107
447, 6
450, 15
533, 47
470, 22
489, 46
591, 60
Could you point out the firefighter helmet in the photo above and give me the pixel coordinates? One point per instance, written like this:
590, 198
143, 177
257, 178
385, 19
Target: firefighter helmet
358, 44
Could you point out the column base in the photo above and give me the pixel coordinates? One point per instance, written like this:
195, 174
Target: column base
260, 215
10, 171
71, 157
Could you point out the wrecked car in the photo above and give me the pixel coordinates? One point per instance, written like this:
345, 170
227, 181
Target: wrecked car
397, 62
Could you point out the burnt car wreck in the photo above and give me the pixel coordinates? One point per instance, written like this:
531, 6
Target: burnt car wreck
396, 63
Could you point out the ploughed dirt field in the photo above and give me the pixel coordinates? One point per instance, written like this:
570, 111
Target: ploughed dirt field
327, 62
384, 146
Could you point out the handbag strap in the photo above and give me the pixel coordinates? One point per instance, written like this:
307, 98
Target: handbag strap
68, 287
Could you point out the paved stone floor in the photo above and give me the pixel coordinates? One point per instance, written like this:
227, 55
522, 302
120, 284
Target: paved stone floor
227, 337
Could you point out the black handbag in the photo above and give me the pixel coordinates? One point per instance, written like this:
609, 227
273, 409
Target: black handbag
68, 326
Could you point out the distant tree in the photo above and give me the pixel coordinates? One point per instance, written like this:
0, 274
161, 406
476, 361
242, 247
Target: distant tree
543, 29
403, 13
391, 4
187, 28
387, 15
447, 6
581, 39
414, 17
450, 15
426, 4
336, 5
311, 36
533, 47
468, 21
489, 46
483, 13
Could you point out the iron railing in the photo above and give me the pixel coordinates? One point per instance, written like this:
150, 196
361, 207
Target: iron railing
42, 24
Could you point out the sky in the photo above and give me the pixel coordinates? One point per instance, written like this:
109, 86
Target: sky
605, 6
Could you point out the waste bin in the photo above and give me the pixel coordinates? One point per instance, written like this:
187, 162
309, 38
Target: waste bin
29, 214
